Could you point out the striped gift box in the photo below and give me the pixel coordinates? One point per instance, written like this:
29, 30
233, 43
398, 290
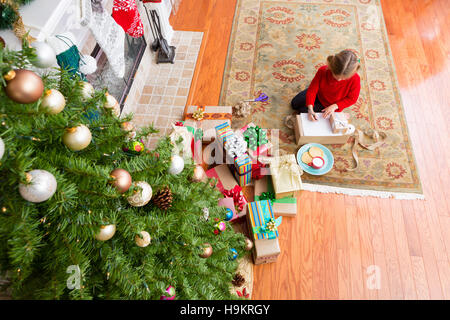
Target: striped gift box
259, 214
243, 170
223, 131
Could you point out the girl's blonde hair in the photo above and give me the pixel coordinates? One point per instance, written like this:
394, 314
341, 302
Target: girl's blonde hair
343, 63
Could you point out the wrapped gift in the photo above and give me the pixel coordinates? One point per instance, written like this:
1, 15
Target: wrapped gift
195, 141
266, 251
229, 187
320, 131
242, 170
229, 204
339, 122
286, 175
256, 138
281, 207
207, 118
261, 220
223, 133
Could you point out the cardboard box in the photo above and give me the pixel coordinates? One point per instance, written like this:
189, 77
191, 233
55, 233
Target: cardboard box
266, 251
286, 207
320, 131
226, 181
286, 175
212, 117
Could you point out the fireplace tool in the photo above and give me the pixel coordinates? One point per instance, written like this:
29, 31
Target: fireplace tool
166, 53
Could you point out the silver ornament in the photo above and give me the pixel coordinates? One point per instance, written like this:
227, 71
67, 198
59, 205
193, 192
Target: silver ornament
88, 64
106, 232
144, 241
142, 197
53, 102
45, 55
77, 138
41, 186
176, 164
87, 90
2, 148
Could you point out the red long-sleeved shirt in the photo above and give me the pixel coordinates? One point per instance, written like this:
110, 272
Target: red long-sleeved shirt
344, 93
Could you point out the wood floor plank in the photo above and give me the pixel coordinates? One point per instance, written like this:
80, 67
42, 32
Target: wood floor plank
318, 249
444, 274
305, 231
330, 252
343, 267
354, 246
420, 278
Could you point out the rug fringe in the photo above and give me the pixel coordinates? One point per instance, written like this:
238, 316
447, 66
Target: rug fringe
362, 193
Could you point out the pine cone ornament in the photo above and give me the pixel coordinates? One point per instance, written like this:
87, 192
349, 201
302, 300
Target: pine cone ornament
238, 280
163, 198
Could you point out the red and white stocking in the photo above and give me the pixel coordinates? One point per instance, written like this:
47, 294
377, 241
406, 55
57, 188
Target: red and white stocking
126, 14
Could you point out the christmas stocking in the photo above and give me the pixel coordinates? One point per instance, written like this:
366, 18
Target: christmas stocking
126, 14
108, 34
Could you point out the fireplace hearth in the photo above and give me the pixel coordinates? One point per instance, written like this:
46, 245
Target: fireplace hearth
105, 77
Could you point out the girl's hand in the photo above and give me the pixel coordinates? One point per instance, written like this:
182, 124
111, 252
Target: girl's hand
312, 116
329, 110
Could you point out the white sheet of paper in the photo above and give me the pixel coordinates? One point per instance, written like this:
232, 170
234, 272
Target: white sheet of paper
321, 127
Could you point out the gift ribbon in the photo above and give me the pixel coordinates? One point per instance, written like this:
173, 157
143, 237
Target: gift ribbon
255, 137
269, 228
207, 116
256, 170
375, 135
292, 169
237, 195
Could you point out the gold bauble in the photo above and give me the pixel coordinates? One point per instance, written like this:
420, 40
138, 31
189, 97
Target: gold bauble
77, 138
122, 180
248, 244
144, 241
199, 174
207, 251
141, 197
87, 90
24, 87
111, 103
53, 102
128, 126
106, 232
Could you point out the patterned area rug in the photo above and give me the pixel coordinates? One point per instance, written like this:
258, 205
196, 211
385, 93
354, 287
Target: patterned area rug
276, 47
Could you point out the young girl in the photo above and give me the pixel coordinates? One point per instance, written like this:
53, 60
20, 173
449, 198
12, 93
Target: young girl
335, 87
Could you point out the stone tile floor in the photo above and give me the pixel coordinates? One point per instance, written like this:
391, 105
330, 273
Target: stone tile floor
166, 90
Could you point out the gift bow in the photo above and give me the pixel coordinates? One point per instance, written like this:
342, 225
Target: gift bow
256, 170
237, 195
236, 146
269, 228
269, 195
198, 114
255, 137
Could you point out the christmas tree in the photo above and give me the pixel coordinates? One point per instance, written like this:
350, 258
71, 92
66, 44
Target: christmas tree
76, 216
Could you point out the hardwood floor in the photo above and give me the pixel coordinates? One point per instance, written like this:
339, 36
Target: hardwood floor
328, 248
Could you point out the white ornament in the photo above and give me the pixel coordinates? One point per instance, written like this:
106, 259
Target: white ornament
205, 213
45, 55
42, 185
106, 232
2, 148
176, 164
111, 103
142, 197
88, 64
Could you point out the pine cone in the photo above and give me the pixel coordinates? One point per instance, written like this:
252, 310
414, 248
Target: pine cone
163, 198
238, 280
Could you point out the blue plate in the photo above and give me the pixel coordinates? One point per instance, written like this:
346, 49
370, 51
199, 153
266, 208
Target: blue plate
327, 155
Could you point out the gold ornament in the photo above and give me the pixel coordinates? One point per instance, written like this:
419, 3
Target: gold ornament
106, 232
199, 174
207, 251
248, 244
128, 126
53, 102
77, 138
111, 103
24, 87
141, 197
144, 240
87, 90
122, 180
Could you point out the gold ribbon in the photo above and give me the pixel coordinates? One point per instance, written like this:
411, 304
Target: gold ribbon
359, 134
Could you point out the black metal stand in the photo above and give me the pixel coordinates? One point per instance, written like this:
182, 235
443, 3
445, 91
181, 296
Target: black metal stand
166, 53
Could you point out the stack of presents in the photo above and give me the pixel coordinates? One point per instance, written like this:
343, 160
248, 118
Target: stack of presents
275, 179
